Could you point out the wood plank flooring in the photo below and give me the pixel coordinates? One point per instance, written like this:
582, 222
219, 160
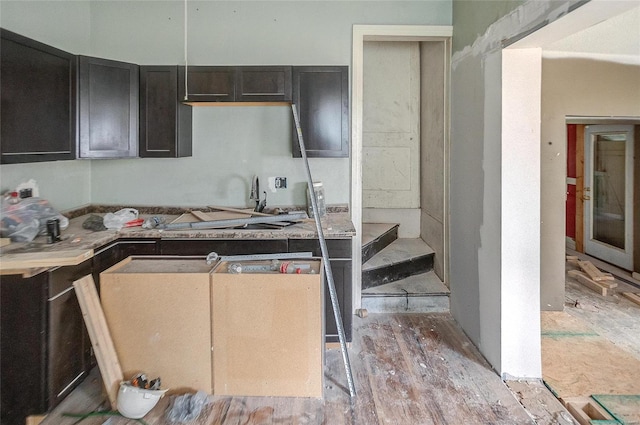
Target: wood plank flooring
416, 369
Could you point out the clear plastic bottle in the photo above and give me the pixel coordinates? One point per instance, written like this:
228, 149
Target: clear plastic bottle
318, 189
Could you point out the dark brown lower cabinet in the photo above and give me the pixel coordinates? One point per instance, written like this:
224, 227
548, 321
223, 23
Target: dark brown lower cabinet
45, 350
339, 252
68, 346
23, 354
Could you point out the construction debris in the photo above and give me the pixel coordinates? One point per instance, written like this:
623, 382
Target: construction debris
632, 296
593, 272
601, 287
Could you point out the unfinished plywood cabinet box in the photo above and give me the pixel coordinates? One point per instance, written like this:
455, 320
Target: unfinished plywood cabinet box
199, 327
268, 333
158, 311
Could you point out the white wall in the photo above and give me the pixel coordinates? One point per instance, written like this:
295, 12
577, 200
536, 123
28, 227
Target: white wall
229, 145
579, 87
495, 269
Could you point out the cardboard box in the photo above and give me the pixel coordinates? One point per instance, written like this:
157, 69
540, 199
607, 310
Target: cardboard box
268, 332
158, 311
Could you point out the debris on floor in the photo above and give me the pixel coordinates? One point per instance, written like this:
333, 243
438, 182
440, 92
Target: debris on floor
187, 407
590, 276
632, 296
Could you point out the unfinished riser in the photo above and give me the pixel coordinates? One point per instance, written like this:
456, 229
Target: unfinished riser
393, 272
423, 293
407, 304
378, 243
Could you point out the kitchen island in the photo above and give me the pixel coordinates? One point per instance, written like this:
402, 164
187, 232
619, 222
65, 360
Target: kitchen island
39, 307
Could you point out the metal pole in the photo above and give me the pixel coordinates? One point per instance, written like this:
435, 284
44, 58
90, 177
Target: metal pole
325, 259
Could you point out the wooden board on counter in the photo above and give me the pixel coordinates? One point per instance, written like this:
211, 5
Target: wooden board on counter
31, 260
196, 216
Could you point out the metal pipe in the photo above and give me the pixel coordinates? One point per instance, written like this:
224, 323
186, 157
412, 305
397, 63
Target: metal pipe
325, 260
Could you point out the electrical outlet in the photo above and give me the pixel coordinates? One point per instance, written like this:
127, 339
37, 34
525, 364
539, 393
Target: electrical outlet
281, 183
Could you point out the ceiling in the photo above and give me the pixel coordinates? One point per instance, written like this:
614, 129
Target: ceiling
616, 39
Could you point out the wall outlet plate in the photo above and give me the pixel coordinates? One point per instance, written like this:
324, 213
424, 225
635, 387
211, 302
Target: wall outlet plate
281, 182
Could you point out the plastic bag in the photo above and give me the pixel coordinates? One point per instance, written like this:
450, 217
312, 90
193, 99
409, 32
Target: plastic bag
118, 219
186, 408
23, 221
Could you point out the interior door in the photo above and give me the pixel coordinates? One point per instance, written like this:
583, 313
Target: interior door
608, 200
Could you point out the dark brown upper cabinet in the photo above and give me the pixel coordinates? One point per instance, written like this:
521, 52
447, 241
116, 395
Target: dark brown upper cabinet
108, 108
263, 84
38, 101
165, 122
210, 84
321, 96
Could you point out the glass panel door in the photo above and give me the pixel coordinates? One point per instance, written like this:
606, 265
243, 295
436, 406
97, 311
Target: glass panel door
608, 189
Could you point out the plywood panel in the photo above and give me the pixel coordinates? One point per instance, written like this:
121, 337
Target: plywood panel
160, 323
391, 125
267, 333
576, 361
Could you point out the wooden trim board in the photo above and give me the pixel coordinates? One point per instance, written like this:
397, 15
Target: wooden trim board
594, 272
589, 283
632, 296
100, 337
580, 188
585, 409
31, 260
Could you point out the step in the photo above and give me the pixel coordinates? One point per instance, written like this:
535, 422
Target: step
422, 293
376, 237
400, 259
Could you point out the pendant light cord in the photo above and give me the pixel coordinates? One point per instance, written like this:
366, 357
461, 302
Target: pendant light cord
186, 62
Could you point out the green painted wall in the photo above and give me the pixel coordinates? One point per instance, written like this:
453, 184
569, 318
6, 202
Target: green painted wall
229, 145
471, 18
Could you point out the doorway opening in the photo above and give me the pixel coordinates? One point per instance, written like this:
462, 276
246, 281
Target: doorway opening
394, 130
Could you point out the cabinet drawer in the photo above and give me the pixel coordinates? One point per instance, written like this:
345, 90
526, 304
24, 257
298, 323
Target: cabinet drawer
222, 246
337, 248
263, 84
211, 84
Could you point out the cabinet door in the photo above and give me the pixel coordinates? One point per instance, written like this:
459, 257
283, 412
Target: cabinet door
210, 84
263, 83
69, 347
321, 96
23, 347
339, 251
38, 101
165, 122
341, 271
108, 108
222, 246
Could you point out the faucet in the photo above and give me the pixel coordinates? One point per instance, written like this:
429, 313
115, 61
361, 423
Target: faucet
255, 195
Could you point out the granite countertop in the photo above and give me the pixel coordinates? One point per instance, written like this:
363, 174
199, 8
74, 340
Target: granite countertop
78, 243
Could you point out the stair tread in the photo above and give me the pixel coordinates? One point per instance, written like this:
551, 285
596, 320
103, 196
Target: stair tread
372, 231
424, 284
398, 251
